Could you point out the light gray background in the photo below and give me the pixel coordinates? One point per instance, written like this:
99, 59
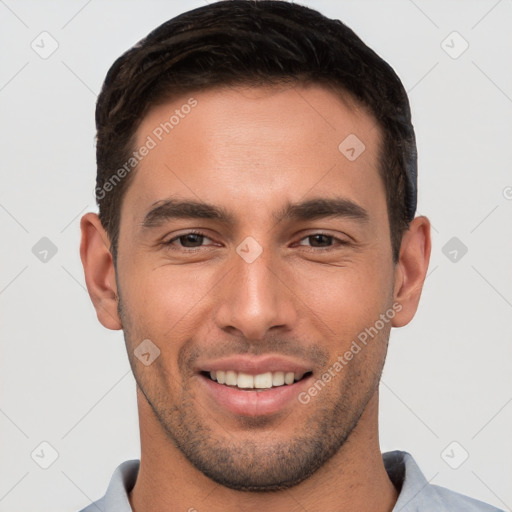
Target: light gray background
66, 380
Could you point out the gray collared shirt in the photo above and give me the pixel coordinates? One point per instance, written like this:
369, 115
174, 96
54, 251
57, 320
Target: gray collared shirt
416, 494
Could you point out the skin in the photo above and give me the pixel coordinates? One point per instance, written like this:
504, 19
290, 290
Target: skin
251, 151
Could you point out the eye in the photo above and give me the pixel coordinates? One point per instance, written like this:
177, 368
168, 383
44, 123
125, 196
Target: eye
190, 240
321, 241
196, 240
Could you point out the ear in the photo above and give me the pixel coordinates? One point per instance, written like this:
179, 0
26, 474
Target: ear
411, 269
99, 270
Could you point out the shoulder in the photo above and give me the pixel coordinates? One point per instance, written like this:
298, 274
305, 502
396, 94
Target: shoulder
122, 482
95, 507
454, 501
416, 494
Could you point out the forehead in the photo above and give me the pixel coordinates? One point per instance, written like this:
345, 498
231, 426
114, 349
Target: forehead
252, 145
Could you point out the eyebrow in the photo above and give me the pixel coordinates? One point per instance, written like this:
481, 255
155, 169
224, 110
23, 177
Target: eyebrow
312, 209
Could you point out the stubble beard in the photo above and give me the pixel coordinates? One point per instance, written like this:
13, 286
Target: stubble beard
256, 462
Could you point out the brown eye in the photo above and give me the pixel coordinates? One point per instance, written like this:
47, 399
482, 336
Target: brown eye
191, 240
321, 241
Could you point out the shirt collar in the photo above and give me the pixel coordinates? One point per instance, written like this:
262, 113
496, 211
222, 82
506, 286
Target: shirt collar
400, 466
121, 483
408, 480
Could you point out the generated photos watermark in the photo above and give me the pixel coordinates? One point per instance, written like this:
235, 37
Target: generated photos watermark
151, 142
363, 338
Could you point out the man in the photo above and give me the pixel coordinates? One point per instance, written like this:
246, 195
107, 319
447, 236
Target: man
256, 241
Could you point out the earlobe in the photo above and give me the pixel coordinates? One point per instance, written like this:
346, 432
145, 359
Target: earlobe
411, 269
99, 271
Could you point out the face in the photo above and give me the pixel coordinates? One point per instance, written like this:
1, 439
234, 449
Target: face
254, 252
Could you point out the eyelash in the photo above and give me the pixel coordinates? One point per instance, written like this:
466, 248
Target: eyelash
199, 233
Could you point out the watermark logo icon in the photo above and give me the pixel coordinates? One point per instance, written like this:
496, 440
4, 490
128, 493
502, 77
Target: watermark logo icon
44, 250
455, 455
351, 147
454, 45
44, 455
146, 352
454, 249
249, 250
44, 45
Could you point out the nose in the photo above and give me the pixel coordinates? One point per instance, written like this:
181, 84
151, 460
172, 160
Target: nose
256, 299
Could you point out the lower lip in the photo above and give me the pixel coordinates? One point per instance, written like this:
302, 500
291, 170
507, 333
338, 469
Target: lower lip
252, 402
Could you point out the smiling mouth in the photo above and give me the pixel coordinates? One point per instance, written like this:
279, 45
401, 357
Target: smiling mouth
260, 382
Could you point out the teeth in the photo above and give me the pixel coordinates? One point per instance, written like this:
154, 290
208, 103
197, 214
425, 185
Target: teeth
245, 381
277, 378
231, 379
265, 380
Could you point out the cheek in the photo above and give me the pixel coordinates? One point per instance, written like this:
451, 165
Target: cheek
165, 300
344, 300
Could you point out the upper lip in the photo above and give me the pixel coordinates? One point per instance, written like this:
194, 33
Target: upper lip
254, 365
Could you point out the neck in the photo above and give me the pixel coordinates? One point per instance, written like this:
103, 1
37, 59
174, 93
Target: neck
353, 479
